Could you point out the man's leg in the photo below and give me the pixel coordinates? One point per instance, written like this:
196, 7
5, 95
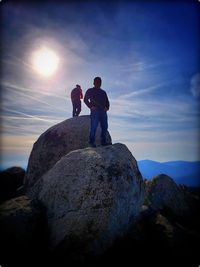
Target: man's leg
104, 126
94, 117
74, 109
78, 108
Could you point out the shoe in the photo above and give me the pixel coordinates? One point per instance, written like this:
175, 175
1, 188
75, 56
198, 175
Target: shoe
92, 145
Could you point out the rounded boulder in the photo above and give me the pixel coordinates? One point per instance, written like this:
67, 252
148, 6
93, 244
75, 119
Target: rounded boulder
91, 195
56, 142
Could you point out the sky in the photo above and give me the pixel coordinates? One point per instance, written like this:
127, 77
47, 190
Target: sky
146, 52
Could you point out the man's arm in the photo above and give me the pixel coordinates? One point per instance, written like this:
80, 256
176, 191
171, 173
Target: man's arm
81, 94
107, 102
86, 99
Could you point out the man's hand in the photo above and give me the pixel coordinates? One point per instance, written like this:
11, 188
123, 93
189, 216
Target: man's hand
105, 109
93, 108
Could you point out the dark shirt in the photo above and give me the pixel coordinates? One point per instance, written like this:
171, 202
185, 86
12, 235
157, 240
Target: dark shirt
96, 97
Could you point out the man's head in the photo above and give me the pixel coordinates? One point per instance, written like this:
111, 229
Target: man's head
78, 86
97, 82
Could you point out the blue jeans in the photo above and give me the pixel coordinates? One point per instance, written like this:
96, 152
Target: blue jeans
97, 117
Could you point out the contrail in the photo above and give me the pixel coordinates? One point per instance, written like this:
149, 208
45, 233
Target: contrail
22, 61
11, 118
36, 99
145, 90
27, 115
29, 90
19, 130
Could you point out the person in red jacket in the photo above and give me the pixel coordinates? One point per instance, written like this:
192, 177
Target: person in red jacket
76, 96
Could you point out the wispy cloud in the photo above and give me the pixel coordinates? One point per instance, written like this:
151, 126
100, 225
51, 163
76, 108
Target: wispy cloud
27, 115
18, 62
145, 123
145, 91
35, 90
195, 85
160, 110
23, 92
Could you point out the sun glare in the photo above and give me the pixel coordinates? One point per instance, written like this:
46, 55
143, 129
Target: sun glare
45, 62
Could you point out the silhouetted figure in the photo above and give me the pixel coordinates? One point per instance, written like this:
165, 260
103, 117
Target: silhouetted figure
97, 101
76, 96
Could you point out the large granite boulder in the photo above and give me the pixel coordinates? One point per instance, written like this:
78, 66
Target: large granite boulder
163, 193
91, 196
10, 180
56, 142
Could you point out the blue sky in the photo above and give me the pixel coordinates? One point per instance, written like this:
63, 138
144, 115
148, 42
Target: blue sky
145, 52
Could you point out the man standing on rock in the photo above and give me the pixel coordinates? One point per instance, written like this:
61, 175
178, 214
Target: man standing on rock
76, 96
97, 101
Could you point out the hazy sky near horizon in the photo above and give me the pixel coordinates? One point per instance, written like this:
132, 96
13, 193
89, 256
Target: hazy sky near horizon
147, 54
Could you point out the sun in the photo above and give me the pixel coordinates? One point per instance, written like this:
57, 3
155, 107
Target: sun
45, 61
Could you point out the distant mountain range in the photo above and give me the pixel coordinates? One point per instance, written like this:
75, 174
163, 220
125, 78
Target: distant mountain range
183, 172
